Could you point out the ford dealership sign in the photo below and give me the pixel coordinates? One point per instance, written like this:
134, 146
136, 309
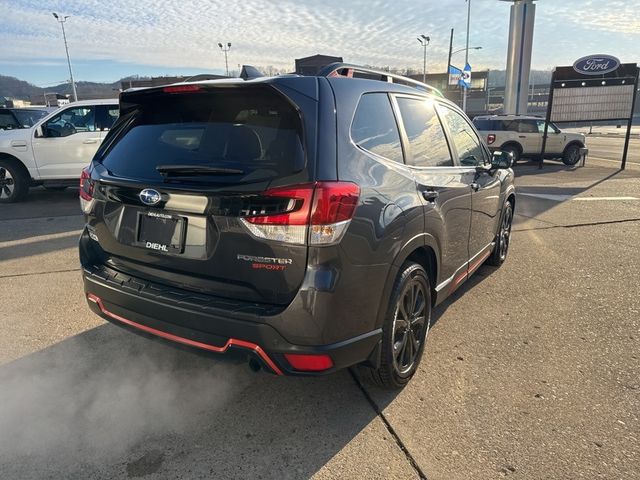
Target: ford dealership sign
596, 64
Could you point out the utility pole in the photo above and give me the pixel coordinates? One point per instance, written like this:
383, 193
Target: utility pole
466, 56
225, 49
449, 60
64, 36
424, 41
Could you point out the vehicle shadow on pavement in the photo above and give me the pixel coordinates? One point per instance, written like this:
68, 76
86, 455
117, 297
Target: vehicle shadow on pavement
43, 203
109, 404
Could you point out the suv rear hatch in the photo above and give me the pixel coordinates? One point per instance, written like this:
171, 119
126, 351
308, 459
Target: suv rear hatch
192, 189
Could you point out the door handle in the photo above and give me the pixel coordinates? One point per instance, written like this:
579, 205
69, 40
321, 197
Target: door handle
475, 186
522, 136
430, 195
89, 141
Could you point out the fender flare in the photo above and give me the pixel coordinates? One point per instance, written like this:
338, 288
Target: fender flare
18, 162
419, 241
572, 143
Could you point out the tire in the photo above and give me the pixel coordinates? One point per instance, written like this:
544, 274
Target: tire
515, 151
402, 343
14, 183
571, 155
503, 237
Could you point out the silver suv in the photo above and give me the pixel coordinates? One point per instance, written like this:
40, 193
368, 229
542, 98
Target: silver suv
522, 136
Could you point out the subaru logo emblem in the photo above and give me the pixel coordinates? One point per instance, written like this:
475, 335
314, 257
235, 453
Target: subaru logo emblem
149, 196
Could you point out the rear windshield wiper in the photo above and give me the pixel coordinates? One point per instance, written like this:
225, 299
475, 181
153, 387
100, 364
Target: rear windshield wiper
193, 170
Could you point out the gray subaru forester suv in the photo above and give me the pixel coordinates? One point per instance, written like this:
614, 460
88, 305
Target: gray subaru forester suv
311, 222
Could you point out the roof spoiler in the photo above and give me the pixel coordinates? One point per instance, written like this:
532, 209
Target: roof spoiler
340, 69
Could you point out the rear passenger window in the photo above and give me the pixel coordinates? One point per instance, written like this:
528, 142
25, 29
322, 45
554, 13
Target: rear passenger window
374, 127
429, 146
470, 151
488, 125
528, 126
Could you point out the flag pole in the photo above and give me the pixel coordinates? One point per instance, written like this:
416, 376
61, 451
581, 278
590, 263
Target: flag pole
466, 57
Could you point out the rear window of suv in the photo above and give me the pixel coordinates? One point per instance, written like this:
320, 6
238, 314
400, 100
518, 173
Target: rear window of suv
253, 130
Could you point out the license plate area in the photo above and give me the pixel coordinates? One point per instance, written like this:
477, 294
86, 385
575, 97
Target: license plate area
160, 232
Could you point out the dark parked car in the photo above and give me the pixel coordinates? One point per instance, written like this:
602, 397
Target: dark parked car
313, 222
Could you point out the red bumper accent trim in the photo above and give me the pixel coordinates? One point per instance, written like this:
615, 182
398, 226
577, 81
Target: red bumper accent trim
232, 342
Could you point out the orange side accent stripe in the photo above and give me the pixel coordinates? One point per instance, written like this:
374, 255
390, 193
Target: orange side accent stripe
478, 262
192, 343
464, 275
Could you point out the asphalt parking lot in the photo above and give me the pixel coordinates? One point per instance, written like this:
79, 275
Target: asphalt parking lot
531, 371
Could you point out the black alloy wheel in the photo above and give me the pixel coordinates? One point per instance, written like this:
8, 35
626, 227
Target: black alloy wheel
571, 155
503, 238
405, 329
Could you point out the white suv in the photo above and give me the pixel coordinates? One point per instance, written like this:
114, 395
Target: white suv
522, 136
54, 150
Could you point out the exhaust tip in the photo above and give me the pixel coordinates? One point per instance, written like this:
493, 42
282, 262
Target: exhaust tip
254, 365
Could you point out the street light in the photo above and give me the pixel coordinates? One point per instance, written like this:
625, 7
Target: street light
225, 49
424, 41
463, 49
61, 20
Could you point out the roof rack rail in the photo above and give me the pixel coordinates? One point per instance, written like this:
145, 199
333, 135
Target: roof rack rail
340, 69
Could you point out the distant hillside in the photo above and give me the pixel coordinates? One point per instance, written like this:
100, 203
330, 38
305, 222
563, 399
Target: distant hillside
12, 87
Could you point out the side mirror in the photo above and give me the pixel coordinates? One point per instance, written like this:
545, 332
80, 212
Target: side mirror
39, 133
501, 160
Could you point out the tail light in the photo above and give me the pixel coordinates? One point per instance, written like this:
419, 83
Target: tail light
491, 138
86, 191
316, 212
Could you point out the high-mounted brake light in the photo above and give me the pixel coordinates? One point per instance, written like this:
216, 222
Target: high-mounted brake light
491, 138
318, 213
86, 190
182, 89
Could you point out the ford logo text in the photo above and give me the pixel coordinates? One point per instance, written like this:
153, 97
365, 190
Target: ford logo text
596, 64
149, 196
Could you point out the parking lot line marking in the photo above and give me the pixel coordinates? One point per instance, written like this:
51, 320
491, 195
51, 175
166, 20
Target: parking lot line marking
588, 199
563, 198
40, 238
546, 196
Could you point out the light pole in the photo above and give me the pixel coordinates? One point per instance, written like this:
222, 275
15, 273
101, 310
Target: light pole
464, 49
424, 41
225, 49
466, 56
64, 36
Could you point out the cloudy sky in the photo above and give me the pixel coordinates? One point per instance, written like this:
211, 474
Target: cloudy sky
109, 39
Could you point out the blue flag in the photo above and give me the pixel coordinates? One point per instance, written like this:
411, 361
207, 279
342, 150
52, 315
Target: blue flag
455, 74
465, 79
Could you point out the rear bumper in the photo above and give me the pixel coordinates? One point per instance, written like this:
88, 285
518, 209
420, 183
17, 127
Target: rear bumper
168, 315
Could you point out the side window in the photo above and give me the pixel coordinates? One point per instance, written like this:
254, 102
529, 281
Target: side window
527, 126
510, 125
468, 145
107, 115
8, 121
71, 121
374, 127
429, 146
